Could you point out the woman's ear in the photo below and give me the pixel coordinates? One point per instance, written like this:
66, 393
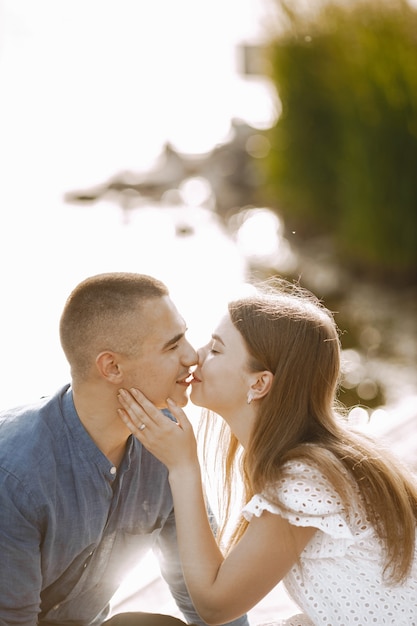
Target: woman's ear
108, 366
262, 385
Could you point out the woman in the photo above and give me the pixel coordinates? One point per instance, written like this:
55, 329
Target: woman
327, 510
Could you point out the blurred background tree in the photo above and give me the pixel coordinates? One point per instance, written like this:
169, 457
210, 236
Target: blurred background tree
343, 158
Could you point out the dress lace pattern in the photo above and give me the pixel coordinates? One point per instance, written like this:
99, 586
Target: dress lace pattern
339, 579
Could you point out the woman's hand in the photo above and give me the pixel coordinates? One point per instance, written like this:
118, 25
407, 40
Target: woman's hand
173, 443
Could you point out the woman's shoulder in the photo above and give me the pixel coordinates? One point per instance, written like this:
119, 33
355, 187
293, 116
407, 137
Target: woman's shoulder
304, 496
310, 471
301, 492
302, 481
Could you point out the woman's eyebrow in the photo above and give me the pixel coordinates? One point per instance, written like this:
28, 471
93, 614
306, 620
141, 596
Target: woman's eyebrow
218, 338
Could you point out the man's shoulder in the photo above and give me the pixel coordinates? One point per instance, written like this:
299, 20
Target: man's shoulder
28, 432
32, 413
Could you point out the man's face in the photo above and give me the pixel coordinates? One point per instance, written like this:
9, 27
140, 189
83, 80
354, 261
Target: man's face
164, 358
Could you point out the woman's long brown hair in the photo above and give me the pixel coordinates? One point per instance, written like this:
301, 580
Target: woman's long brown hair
290, 333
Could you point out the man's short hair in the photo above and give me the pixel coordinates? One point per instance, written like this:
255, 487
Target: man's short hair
97, 313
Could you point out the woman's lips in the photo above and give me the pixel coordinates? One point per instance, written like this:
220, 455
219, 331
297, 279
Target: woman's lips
195, 379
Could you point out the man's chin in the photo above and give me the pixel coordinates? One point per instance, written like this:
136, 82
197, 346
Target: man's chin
181, 400
162, 403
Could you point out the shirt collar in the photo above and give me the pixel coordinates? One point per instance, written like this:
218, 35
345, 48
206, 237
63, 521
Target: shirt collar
85, 443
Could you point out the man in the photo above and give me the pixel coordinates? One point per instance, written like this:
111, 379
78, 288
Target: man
80, 499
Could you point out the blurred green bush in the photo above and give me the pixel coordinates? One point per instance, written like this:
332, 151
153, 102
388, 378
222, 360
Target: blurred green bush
343, 158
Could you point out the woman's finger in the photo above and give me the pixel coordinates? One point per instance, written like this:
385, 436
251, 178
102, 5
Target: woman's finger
132, 409
178, 413
150, 409
134, 427
141, 413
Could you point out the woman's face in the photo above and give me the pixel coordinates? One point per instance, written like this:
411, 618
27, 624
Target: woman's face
222, 378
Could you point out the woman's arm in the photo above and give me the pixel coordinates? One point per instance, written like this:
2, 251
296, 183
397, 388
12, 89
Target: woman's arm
221, 588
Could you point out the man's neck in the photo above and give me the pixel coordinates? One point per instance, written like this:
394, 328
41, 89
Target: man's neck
98, 414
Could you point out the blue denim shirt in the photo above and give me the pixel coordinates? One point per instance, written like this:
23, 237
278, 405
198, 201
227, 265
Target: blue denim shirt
71, 525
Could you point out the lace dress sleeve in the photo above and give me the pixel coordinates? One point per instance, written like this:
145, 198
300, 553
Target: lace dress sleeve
306, 498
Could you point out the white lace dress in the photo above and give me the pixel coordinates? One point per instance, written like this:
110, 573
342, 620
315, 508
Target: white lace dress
339, 578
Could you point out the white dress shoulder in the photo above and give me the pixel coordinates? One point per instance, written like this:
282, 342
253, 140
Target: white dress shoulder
339, 579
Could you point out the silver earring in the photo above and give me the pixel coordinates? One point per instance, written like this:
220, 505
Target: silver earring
250, 397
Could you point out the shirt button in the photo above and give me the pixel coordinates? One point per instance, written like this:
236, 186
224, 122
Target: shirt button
56, 607
113, 470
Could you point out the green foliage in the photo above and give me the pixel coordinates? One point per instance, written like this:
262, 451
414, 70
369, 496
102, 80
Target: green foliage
343, 157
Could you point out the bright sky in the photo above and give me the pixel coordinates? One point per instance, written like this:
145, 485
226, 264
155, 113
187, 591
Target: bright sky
90, 87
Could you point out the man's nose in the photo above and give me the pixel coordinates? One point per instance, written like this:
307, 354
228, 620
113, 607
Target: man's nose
191, 356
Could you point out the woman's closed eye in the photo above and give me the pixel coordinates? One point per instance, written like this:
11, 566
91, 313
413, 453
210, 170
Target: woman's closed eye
214, 348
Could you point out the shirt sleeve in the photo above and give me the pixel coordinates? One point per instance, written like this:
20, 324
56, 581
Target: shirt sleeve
306, 498
171, 570
20, 563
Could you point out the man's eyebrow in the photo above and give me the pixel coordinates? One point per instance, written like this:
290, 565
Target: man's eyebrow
172, 341
218, 338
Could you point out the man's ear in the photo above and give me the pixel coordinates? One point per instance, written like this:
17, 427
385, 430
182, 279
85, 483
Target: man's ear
262, 384
109, 367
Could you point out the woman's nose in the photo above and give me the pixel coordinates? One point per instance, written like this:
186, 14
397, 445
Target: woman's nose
201, 352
